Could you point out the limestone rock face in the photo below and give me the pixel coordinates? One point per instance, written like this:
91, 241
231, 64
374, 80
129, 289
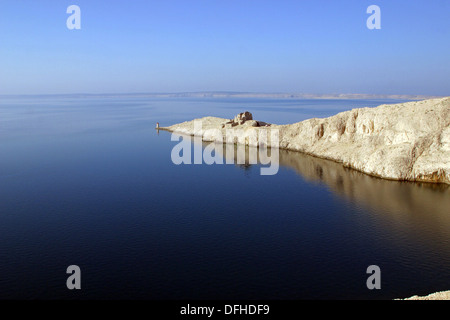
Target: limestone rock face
406, 141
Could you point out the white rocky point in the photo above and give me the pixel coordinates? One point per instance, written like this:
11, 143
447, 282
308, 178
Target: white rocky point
442, 295
406, 141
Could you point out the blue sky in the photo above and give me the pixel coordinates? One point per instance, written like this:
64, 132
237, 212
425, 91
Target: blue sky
304, 46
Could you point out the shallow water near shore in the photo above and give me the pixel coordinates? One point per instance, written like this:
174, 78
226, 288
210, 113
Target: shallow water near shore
89, 181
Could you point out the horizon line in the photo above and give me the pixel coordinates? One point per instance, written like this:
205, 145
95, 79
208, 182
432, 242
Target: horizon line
241, 94
209, 94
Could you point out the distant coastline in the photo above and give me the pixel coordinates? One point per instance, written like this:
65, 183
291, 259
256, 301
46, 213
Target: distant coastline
232, 94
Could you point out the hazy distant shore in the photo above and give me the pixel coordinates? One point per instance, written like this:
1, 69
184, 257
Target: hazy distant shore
230, 94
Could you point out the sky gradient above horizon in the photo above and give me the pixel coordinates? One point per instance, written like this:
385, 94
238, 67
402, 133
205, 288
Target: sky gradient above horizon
253, 46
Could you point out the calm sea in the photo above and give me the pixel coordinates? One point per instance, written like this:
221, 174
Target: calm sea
88, 181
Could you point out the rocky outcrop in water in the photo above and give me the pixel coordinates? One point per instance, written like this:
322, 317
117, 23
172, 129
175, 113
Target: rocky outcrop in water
407, 141
442, 295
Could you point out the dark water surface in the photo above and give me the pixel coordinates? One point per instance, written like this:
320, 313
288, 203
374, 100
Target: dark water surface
87, 181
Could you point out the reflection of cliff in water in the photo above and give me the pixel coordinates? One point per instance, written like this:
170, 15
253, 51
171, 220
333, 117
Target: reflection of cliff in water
394, 196
414, 211
415, 199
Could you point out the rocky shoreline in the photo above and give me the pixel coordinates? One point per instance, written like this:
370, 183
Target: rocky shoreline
441, 295
406, 141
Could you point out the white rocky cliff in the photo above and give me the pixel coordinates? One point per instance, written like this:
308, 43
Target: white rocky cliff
406, 141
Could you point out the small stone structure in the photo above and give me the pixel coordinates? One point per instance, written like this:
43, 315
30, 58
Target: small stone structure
244, 118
